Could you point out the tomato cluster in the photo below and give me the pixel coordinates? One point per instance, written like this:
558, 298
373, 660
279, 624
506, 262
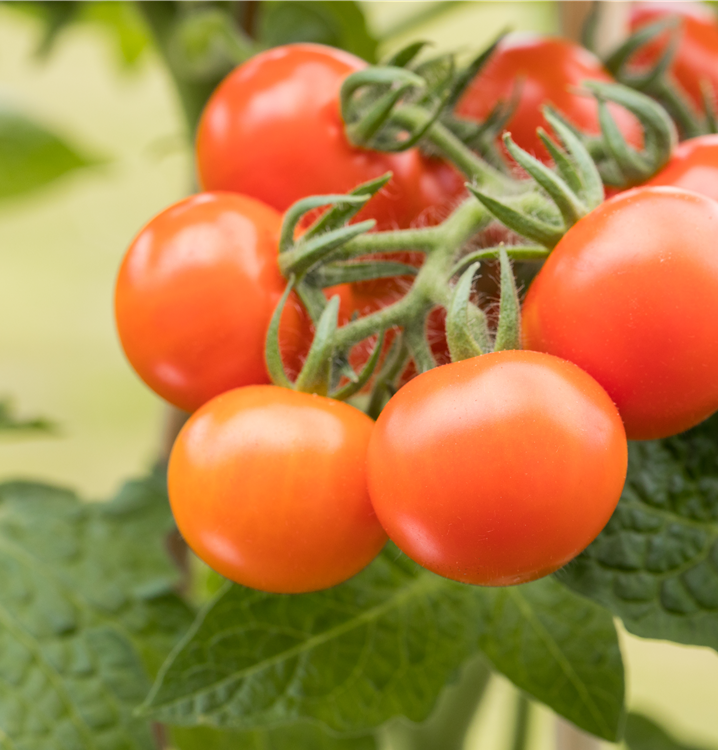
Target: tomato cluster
492, 470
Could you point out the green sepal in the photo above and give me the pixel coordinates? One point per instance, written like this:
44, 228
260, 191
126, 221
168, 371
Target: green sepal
565, 168
406, 55
470, 71
566, 200
332, 274
316, 374
508, 331
527, 226
516, 252
615, 62
272, 352
632, 167
355, 385
461, 341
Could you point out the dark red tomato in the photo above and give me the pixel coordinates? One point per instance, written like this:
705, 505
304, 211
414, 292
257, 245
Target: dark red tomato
268, 487
273, 130
696, 58
630, 294
498, 469
194, 296
548, 70
693, 166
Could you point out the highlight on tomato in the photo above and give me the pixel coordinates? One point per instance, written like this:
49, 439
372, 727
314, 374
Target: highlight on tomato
268, 487
498, 469
630, 294
194, 296
539, 70
692, 166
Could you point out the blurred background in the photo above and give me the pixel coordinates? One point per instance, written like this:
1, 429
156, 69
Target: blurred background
101, 87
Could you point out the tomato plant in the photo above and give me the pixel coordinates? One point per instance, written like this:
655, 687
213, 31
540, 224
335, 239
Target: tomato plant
630, 295
268, 486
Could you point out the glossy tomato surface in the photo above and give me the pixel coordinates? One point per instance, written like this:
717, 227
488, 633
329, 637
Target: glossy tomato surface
696, 57
545, 70
195, 294
630, 294
273, 130
498, 469
268, 487
692, 166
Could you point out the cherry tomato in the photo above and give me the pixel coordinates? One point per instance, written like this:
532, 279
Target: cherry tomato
547, 70
498, 469
693, 166
630, 294
273, 130
696, 57
195, 294
268, 487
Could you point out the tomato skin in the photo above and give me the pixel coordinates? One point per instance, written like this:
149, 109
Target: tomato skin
549, 68
630, 294
692, 166
195, 294
696, 57
499, 469
273, 130
268, 487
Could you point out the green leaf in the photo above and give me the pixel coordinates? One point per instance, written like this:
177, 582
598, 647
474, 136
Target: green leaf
86, 611
32, 156
561, 649
124, 26
321, 21
644, 734
301, 736
11, 423
655, 565
385, 644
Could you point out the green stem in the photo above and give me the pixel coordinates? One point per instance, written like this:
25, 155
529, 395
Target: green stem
522, 722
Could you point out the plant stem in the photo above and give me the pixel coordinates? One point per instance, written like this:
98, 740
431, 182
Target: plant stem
522, 722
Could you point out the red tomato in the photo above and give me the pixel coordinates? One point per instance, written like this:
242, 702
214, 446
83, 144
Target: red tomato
194, 296
693, 166
498, 469
696, 58
273, 130
630, 294
548, 70
268, 487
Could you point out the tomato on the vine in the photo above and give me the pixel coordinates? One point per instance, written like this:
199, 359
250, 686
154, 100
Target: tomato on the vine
541, 70
273, 130
195, 294
630, 294
268, 487
498, 469
696, 57
692, 166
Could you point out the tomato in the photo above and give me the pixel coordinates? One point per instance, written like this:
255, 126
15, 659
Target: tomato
498, 469
693, 166
195, 294
548, 70
268, 487
630, 294
696, 58
273, 130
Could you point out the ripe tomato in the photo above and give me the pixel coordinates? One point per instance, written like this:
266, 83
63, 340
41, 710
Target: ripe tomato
498, 469
630, 294
693, 166
194, 296
696, 58
268, 487
547, 70
273, 130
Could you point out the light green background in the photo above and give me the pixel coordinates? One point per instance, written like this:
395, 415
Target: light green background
59, 252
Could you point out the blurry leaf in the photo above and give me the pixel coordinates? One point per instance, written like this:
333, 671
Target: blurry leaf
655, 565
86, 610
339, 24
643, 734
10, 423
31, 156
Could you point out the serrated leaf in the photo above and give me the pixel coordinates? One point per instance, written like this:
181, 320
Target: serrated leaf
644, 734
655, 565
32, 156
320, 21
561, 649
86, 609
